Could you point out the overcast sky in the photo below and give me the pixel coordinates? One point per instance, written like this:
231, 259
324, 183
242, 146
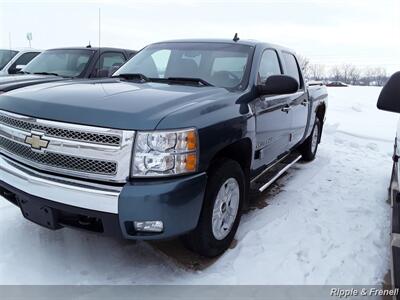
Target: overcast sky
361, 32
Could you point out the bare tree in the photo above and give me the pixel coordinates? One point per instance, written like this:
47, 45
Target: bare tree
304, 63
375, 76
354, 75
317, 71
381, 76
368, 75
336, 73
346, 71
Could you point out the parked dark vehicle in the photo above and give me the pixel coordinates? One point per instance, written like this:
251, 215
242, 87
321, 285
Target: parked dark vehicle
389, 100
67, 63
13, 60
336, 84
172, 146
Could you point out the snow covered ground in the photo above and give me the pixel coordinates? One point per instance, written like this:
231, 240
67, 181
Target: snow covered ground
325, 222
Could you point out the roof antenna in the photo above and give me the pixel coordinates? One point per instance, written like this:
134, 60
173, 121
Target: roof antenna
236, 37
98, 67
89, 46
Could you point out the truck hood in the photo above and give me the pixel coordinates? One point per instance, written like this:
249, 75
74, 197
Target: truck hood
107, 103
12, 82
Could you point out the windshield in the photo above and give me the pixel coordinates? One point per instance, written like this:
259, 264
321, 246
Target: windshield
220, 64
6, 56
63, 62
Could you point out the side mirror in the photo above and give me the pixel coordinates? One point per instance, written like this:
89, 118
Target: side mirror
279, 85
20, 67
389, 99
16, 69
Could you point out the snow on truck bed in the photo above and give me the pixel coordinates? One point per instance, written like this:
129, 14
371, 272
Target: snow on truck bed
325, 222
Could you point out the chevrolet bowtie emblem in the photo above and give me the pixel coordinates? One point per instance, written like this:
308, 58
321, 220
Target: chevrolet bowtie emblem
36, 142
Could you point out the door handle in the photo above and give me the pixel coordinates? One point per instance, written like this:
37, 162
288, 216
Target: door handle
305, 102
286, 108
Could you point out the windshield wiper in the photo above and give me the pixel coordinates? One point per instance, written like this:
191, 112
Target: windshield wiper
199, 81
23, 72
132, 76
175, 80
46, 73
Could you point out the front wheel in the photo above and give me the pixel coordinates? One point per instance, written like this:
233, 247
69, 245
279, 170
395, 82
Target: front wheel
309, 148
221, 211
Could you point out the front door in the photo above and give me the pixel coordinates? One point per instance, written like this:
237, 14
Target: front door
273, 115
273, 127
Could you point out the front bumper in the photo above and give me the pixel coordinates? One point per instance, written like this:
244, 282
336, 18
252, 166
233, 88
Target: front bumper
109, 209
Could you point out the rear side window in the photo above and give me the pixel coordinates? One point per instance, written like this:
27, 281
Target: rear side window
292, 67
269, 66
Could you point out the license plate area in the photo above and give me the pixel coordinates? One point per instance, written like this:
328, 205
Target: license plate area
38, 213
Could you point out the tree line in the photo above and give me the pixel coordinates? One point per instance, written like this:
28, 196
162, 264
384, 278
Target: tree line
347, 73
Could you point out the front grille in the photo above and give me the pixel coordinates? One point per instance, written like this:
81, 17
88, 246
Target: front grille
70, 134
81, 151
72, 163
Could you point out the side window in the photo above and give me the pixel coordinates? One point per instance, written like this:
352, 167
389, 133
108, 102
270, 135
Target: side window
109, 63
23, 60
269, 65
292, 67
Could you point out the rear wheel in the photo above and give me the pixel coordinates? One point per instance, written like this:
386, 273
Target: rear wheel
221, 211
309, 148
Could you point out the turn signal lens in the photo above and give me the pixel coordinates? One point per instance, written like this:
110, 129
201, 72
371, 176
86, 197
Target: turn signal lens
191, 140
191, 162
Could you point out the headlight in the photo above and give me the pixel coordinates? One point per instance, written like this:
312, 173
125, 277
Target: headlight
163, 153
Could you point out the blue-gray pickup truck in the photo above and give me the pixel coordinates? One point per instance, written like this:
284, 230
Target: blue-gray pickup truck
173, 145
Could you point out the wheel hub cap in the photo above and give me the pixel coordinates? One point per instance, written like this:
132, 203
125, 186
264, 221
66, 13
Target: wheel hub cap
314, 141
225, 209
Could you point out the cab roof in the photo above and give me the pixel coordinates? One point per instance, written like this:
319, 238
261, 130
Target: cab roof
93, 48
253, 43
22, 49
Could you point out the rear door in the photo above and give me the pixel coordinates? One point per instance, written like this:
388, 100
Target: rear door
298, 101
273, 115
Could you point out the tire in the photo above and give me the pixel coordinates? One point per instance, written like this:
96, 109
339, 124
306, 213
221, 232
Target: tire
395, 268
395, 224
225, 175
309, 147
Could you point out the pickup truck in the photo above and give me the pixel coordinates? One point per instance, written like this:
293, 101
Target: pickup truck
13, 60
67, 63
173, 145
389, 100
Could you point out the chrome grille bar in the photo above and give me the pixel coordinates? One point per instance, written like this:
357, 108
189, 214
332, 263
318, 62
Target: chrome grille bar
28, 124
56, 160
63, 155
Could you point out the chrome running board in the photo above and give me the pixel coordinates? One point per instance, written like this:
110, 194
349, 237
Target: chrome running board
279, 173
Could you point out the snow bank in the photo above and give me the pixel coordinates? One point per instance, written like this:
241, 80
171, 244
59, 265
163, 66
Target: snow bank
325, 222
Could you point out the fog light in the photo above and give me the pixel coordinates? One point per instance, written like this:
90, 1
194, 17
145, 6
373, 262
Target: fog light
149, 226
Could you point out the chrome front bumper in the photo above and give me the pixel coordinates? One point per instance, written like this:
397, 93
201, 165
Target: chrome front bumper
93, 196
